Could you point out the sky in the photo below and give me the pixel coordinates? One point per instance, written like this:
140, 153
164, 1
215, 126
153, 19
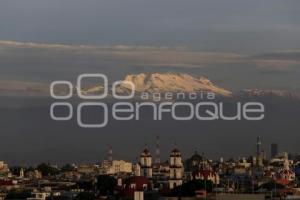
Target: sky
237, 44
211, 25
260, 40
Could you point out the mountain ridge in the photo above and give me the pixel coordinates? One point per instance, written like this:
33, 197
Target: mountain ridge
149, 83
171, 82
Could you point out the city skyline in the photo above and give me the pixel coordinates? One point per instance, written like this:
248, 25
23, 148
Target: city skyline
246, 48
149, 100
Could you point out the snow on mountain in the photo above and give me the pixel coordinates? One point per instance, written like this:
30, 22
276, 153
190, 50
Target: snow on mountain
92, 90
172, 82
165, 82
150, 83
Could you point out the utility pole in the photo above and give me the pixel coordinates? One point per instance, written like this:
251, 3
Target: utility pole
157, 151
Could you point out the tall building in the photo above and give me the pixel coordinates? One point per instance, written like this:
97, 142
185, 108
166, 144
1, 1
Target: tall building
146, 163
176, 169
259, 158
258, 144
274, 150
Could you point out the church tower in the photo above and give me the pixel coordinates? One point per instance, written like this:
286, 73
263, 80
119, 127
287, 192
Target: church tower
21, 173
146, 163
176, 169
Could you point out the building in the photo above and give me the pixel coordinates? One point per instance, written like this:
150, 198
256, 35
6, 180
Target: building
196, 162
104, 166
39, 196
86, 169
132, 185
35, 174
176, 169
146, 163
4, 169
120, 166
285, 175
208, 175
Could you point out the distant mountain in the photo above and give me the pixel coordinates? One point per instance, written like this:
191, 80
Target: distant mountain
257, 93
150, 83
181, 82
166, 82
21, 88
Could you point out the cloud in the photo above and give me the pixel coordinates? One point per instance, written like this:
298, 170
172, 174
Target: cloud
293, 55
277, 62
11, 87
28, 45
135, 55
41, 62
161, 56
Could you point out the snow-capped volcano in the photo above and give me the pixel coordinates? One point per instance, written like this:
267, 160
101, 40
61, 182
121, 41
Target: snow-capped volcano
172, 82
181, 82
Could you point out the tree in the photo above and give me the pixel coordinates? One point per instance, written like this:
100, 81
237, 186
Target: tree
67, 168
271, 185
14, 194
85, 196
86, 185
47, 170
58, 198
106, 184
189, 188
15, 170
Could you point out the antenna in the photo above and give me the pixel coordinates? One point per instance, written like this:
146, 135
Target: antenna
110, 154
157, 151
258, 144
175, 144
258, 151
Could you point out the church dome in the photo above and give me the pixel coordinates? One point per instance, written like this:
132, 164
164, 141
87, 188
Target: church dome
175, 153
196, 157
146, 153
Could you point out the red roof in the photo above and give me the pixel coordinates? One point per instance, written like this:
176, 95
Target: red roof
6, 182
138, 181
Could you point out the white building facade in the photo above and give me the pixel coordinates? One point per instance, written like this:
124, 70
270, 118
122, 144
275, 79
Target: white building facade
176, 169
